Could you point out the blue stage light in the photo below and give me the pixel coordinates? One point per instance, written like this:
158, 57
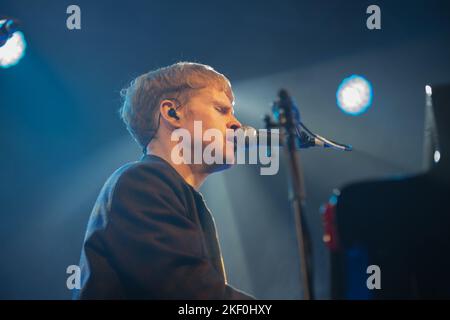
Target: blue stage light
354, 95
13, 50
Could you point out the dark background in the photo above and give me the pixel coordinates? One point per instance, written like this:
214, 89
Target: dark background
61, 136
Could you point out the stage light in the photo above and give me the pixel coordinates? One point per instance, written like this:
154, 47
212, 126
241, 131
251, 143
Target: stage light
13, 50
437, 156
354, 95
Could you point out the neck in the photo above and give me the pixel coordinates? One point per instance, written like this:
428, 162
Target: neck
192, 174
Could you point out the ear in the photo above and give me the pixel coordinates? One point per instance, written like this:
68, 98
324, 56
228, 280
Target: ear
164, 108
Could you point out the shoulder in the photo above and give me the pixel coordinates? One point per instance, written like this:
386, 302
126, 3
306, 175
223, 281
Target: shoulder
150, 171
148, 185
149, 177
139, 189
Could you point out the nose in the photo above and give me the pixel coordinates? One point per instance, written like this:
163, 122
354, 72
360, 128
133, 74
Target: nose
234, 124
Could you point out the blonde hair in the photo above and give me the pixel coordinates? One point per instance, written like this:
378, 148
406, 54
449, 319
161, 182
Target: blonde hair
141, 99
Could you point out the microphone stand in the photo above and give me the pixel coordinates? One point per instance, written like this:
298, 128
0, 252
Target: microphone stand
296, 135
287, 115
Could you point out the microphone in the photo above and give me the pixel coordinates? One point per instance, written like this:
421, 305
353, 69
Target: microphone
311, 139
255, 138
7, 28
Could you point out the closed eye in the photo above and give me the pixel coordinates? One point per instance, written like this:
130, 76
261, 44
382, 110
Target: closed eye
222, 110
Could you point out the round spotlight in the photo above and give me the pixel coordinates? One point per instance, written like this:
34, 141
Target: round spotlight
13, 50
354, 95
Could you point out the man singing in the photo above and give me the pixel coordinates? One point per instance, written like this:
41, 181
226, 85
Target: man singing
150, 234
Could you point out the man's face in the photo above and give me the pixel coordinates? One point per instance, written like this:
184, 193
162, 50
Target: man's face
212, 109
